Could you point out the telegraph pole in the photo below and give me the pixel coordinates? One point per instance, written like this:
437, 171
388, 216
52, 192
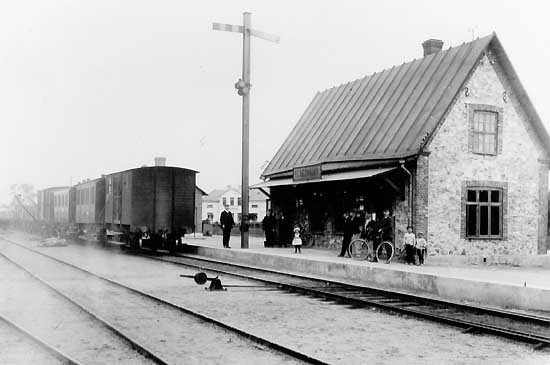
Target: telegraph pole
24, 207
243, 89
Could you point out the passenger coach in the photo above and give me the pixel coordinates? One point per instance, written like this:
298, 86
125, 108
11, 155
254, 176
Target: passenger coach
90, 204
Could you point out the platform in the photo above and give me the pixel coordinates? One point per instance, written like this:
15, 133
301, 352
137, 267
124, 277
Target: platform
505, 286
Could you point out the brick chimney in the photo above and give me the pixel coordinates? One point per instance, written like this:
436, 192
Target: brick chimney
432, 46
160, 161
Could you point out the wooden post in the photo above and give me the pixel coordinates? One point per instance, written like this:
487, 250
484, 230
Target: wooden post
246, 128
243, 87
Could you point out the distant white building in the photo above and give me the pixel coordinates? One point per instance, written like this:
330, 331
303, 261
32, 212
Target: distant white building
213, 204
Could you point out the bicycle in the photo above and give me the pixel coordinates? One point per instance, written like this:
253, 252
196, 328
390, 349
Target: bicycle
363, 249
308, 239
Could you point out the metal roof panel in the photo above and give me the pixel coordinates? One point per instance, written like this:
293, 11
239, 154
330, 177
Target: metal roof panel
386, 114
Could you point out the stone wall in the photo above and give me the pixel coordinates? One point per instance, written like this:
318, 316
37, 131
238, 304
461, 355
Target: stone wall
517, 165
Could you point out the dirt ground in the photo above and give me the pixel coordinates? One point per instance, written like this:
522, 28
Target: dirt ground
333, 333
16, 349
63, 325
176, 337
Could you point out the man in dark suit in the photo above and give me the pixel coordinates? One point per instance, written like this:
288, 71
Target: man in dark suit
227, 222
268, 225
350, 228
386, 227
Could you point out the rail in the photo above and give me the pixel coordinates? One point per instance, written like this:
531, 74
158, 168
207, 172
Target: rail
517, 326
257, 339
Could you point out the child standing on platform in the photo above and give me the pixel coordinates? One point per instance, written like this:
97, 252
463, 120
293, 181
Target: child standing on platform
421, 247
297, 241
410, 250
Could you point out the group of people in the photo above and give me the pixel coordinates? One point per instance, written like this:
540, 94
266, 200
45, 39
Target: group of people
414, 247
354, 224
368, 228
277, 229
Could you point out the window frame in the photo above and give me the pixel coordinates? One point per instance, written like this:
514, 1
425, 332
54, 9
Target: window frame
480, 185
489, 204
472, 133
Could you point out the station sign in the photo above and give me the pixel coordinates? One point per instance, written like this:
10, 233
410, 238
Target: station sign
307, 173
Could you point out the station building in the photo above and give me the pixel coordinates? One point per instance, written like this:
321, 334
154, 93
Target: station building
450, 143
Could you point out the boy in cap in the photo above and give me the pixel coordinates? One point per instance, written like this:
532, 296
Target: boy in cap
421, 246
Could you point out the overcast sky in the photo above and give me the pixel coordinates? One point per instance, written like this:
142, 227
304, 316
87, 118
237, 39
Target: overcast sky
98, 86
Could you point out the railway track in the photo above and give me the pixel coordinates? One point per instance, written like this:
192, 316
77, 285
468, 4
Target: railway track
526, 328
302, 357
57, 355
115, 330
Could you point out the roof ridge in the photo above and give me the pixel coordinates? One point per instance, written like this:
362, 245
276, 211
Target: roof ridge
493, 34
355, 124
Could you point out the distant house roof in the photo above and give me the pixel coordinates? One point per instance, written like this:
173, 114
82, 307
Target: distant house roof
215, 195
202, 191
391, 114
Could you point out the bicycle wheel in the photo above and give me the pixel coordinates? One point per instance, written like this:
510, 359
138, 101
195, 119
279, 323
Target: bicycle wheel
357, 249
384, 252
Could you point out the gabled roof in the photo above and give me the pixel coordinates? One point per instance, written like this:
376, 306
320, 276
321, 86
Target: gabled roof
214, 195
389, 115
203, 193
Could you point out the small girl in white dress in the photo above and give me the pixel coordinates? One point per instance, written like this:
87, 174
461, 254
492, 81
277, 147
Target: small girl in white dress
297, 241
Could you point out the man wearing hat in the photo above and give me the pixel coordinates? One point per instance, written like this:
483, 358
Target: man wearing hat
227, 222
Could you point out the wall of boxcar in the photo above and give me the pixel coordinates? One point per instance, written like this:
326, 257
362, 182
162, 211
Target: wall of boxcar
184, 199
198, 211
127, 201
142, 192
163, 198
99, 213
163, 181
108, 205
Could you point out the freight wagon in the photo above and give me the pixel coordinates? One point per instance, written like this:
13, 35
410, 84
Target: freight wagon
150, 199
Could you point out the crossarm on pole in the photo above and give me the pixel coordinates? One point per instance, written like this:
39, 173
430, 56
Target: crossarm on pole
227, 27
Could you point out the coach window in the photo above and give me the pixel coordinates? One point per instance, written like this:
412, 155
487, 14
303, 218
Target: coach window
484, 213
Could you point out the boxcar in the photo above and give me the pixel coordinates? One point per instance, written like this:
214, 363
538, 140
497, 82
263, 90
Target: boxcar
90, 204
46, 208
154, 198
64, 206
